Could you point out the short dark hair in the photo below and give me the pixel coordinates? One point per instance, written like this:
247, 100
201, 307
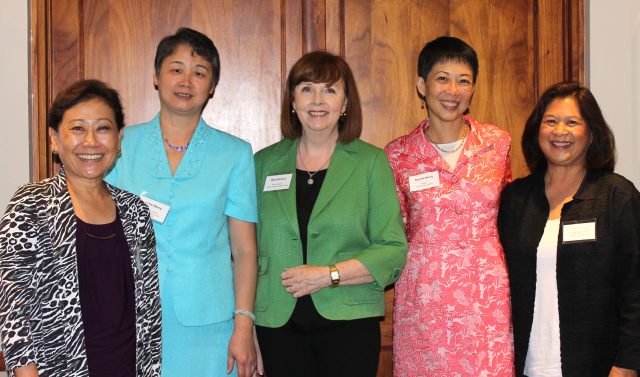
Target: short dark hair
81, 91
445, 49
601, 154
200, 43
322, 67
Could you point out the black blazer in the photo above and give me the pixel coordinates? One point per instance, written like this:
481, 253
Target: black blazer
598, 281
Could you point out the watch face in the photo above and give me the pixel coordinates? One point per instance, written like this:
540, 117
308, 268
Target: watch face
335, 275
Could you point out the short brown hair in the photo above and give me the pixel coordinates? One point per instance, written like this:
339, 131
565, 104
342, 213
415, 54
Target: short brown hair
322, 67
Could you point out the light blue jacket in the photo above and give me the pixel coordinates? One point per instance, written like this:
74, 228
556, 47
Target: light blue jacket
215, 180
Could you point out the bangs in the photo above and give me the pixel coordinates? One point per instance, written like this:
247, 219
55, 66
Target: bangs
326, 72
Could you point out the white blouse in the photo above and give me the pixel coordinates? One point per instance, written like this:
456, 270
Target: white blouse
543, 355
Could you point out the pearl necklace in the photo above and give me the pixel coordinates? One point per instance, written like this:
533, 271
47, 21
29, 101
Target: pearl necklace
310, 180
457, 147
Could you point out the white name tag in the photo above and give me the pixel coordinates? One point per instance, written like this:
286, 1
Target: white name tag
424, 181
277, 182
157, 209
579, 231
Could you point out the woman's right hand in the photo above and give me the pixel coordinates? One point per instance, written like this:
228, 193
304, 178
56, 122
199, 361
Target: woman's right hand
28, 370
621, 372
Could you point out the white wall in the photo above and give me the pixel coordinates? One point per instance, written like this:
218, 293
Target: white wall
614, 64
14, 97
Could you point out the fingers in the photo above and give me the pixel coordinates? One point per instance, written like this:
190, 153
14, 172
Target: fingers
229, 363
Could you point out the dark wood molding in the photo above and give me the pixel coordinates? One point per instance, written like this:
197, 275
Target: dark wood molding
314, 25
40, 24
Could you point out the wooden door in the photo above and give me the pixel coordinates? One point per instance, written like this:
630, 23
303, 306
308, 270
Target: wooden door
523, 47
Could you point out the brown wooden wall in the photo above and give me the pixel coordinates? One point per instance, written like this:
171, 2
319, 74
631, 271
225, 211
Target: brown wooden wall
523, 46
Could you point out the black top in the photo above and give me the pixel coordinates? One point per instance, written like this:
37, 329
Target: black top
305, 315
107, 299
598, 281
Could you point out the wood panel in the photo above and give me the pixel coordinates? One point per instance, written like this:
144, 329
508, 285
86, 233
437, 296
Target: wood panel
504, 93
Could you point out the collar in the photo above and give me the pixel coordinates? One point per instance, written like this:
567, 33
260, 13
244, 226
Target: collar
193, 156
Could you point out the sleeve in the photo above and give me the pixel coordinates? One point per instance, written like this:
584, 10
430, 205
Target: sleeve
386, 256
151, 288
18, 248
241, 197
627, 239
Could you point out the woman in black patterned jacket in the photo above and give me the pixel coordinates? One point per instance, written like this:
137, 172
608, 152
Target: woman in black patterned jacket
78, 269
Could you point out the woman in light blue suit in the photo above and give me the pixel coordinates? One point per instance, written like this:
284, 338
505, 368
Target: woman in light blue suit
200, 185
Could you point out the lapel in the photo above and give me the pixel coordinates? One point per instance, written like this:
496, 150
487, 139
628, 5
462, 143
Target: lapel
285, 162
129, 219
342, 164
428, 151
475, 145
60, 219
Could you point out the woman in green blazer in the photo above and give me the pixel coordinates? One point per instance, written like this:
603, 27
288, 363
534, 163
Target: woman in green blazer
330, 232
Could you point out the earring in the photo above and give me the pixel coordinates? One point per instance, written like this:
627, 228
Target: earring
293, 111
422, 103
343, 114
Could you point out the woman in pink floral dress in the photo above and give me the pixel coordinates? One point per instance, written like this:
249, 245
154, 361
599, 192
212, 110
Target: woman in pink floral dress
452, 311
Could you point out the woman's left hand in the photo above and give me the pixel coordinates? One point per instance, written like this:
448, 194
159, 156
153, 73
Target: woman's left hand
305, 280
242, 350
621, 372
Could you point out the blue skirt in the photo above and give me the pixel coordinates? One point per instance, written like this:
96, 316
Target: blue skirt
193, 350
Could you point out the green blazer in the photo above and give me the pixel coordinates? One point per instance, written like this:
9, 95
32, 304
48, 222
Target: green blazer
356, 216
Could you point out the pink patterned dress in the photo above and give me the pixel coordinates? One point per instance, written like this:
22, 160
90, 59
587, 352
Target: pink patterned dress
452, 314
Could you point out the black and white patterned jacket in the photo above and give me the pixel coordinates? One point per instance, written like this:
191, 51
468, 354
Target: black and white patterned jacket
40, 316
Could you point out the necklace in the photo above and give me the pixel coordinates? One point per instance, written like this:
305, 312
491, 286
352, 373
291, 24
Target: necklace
456, 148
100, 237
176, 148
310, 180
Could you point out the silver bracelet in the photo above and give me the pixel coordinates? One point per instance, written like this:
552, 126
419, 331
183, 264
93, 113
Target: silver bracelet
245, 313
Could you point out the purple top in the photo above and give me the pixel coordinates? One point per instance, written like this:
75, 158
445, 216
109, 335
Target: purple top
107, 299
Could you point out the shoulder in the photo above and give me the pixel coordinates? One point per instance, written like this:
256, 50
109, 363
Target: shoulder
47, 187
364, 148
127, 199
613, 182
224, 136
401, 143
137, 129
522, 186
274, 150
489, 132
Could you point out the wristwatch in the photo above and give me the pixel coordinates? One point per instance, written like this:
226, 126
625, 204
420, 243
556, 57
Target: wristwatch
335, 275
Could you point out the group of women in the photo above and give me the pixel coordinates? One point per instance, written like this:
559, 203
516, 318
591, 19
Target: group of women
215, 262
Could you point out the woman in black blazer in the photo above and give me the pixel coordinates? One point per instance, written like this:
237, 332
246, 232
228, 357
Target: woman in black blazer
571, 237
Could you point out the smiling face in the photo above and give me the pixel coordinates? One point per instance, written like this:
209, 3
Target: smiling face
87, 140
564, 137
447, 91
184, 82
318, 105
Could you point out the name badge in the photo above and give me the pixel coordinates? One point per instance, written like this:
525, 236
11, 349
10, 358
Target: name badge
424, 181
157, 209
579, 231
277, 182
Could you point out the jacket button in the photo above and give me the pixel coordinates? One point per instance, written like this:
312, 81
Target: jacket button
315, 235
